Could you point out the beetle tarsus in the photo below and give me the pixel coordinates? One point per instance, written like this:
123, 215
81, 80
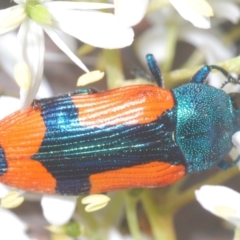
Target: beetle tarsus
225, 165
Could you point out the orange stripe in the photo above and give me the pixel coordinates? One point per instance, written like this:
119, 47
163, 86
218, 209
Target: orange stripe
21, 136
154, 174
128, 105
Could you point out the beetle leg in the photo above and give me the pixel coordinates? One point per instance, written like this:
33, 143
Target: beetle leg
225, 165
37, 103
76, 92
82, 91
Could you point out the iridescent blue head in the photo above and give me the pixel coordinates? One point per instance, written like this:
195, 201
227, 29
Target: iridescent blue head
206, 121
207, 118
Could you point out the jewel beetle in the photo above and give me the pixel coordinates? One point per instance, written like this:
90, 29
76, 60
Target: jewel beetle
135, 136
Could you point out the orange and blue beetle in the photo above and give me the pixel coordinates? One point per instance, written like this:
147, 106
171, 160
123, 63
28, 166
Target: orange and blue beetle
135, 136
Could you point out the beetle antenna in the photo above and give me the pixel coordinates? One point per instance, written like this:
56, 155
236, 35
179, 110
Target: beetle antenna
139, 73
230, 78
154, 69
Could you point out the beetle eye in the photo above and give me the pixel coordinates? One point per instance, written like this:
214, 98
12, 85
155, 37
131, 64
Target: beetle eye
235, 97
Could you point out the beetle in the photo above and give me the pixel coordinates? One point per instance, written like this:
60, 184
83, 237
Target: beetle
135, 136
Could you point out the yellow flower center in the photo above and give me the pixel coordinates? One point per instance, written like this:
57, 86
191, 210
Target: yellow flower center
38, 12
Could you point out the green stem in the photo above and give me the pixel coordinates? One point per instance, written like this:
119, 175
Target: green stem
114, 213
237, 234
89, 218
131, 213
114, 68
196, 58
166, 224
161, 223
231, 36
175, 188
170, 46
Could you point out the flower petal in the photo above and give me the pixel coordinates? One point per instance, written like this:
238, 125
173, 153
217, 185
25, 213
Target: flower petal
4, 190
8, 105
226, 10
152, 41
11, 18
78, 5
70, 41
221, 201
20, 1
8, 49
189, 13
236, 140
31, 39
45, 90
11, 226
22, 75
8, 59
58, 209
211, 45
53, 35
95, 28
130, 13
200, 6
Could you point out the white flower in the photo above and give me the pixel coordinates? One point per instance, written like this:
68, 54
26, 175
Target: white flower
220, 201
8, 105
153, 41
75, 18
210, 43
199, 11
129, 12
11, 226
195, 11
236, 141
226, 10
8, 59
58, 210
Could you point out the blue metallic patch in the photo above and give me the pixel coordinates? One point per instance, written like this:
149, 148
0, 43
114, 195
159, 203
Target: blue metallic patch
71, 153
57, 152
3, 162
